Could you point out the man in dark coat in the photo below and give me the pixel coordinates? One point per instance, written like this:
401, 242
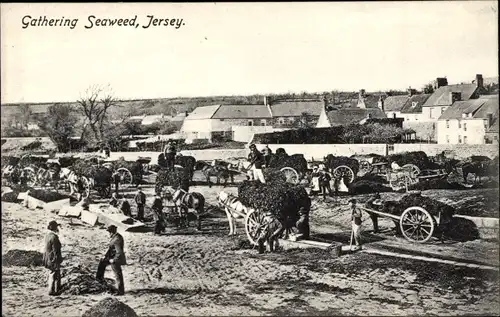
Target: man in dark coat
52, 258
158, 214
256, 160
140, 200
115, 257
116, 180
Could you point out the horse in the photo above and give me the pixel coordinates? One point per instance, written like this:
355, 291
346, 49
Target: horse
234, 209
479, 169
243, 165
185, 201
216, 170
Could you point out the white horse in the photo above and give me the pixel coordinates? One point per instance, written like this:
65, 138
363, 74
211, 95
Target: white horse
234, 209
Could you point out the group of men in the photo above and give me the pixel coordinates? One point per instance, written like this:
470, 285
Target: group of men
114, 257
124, 205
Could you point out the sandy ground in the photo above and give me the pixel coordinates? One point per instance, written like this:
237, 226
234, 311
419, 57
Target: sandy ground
208, 273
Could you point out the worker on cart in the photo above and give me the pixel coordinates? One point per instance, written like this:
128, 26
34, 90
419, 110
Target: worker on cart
256, 160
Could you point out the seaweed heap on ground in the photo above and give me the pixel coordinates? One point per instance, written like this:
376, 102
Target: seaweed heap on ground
110, 307
46, 195
368, 184
22, 258
282, 199
174, 178
81, 281
434, 207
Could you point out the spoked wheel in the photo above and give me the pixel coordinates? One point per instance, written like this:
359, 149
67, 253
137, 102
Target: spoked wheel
365, 167
31, 176
413, 169
86, 187
253, 225
417, 224
404, 181
291, 175
125, 177
344, 171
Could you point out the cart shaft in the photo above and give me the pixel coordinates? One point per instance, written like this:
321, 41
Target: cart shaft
383, 214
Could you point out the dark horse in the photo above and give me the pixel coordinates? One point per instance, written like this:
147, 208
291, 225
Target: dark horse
480, 169
220, 170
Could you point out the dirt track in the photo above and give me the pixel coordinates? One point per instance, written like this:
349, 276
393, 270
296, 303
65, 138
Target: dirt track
207, 273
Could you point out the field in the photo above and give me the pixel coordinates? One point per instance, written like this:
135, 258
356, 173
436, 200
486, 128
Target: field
208, 273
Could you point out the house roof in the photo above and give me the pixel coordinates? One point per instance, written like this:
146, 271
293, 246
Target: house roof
179, 117
494, 126
352, 115
295, 108
371, 101
395, 103
441, 97
490, 106
205, 112
241, 112
462, 107
411, 107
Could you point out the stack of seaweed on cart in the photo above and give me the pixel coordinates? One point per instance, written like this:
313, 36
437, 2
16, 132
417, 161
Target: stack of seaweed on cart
175, 178
99, 176
282, 199
294, 166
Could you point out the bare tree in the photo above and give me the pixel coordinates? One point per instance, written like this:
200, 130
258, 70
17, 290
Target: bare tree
94, 105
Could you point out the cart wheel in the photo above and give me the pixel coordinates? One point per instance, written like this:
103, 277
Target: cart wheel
30, 176
125, 177
414, 170
404, 182
291, 175
365, 167
342, 171
86, 186
417, 224
253, 222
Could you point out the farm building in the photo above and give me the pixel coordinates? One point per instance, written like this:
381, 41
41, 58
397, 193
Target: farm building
292, 112
445, 95
467, 122
212, 122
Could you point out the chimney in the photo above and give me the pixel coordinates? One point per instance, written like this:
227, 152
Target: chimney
381, 103
479, 81
411, 92
440, 82
186, 113
265, 100
490, 119
394, 116
455, 96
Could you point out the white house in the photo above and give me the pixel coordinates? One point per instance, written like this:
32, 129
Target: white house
468, 122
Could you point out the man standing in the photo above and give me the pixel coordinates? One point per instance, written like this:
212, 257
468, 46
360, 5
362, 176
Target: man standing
356, 223
324, 183
272, 230
116, 179
374, 203
158, 214
256, 161
115, 256
52, 258
267, 155
140, 200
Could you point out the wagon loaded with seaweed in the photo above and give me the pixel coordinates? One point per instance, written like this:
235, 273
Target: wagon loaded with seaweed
417, 218
93, 176
294, 167
130, 172
281, 198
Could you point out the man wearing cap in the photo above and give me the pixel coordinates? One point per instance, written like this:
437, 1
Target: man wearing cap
52, 258
115, 257
256, 160
140, 200
356, 223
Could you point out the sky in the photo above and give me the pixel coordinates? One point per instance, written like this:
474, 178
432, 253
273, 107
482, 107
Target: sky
244, 48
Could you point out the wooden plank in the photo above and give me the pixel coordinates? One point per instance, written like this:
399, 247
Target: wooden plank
70, 211
89, 217
109, 215
56, 205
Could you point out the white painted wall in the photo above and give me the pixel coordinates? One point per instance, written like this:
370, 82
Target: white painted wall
467, 131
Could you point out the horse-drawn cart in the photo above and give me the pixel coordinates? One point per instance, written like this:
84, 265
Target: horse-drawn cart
417, 223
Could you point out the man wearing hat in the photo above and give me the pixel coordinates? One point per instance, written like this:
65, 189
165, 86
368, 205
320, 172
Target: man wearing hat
271, 231
303, 224
140, 200
356, 223
115, 257
256, 160
52, 258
